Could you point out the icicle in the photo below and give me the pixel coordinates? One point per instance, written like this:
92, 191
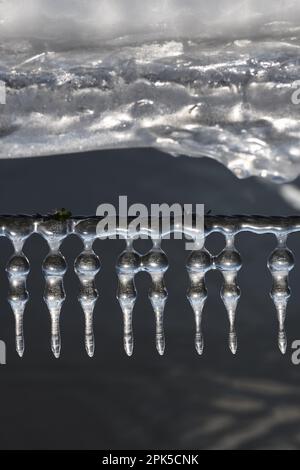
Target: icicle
229, 263
87, 266
128, 266
198, 264
54, 269
281, 262
156, 264
17, 271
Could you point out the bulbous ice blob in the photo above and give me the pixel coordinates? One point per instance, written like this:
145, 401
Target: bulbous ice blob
218, 78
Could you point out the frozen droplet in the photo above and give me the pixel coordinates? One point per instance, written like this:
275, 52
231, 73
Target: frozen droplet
128, 266
198, 264
280, 263
54, 269
156, 264
17, 271
229, 263
87, 266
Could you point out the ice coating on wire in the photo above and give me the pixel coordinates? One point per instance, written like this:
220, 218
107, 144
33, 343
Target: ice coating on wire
130, 263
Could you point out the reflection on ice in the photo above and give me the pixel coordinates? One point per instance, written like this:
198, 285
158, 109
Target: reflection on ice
213, 81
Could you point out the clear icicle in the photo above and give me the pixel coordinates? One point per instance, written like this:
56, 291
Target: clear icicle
128, 331
89, 338
199, 263
280, 263
55, 331
160, 334
229, 263
156, 264
87, 266
54, 269
20, 343
17, 271
232, 338
128, 266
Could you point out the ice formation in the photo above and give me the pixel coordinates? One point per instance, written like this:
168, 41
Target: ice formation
131, 263
215, 78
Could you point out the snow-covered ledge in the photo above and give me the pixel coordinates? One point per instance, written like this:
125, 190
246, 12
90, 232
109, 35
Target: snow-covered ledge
211, 78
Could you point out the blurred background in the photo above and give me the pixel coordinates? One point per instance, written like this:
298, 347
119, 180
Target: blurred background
179, 401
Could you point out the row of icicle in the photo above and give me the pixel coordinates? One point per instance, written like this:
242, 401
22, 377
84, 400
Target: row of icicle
130, 263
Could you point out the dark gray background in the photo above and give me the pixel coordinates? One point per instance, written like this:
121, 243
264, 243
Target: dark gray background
179, 401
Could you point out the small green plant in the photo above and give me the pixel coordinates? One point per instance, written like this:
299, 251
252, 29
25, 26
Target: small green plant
62, 214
